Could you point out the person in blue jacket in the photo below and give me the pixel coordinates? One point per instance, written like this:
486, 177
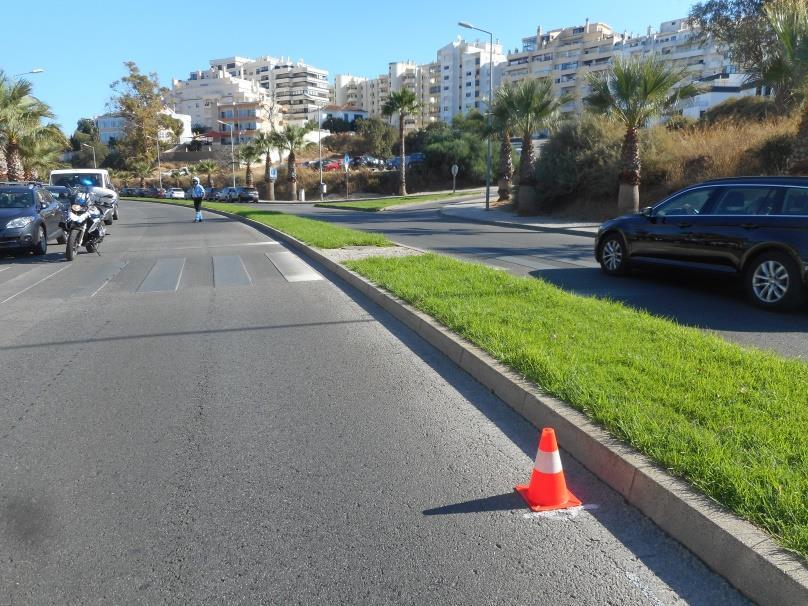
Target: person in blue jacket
197, 194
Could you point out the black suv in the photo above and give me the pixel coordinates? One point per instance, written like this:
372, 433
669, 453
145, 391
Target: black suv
29, 217
755, 227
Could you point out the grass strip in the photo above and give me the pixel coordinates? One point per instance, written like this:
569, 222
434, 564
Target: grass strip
381, 204
732, 421
312, 232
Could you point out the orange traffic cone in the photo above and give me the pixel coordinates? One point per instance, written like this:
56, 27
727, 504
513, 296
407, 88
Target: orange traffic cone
547, 489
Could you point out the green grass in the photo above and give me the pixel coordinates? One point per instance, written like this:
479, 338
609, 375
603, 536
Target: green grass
310, 231
380, 204
732, 421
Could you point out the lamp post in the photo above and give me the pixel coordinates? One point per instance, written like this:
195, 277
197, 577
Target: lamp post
36, 70
232, 149
159, 170
319, 143
468, 25
92, 148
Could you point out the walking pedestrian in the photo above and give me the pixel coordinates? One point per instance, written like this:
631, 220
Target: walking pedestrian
197, 193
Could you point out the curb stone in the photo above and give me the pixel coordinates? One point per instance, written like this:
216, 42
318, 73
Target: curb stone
748, 558
554, 230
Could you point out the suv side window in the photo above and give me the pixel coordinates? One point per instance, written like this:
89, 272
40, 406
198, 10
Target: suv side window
688, 203
795, 202
745, 201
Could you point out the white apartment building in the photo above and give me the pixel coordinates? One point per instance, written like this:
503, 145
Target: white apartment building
113, 126
455, 83
204, 93
567, 56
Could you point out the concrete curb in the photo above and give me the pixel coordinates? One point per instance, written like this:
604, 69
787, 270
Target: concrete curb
735, 549
446, 212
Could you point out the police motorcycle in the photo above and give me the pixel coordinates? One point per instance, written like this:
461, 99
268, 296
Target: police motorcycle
83, 223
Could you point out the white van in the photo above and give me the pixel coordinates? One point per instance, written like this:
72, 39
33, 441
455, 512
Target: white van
97, 179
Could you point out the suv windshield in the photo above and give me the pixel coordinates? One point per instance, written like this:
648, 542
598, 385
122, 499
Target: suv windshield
16, 199
76, 179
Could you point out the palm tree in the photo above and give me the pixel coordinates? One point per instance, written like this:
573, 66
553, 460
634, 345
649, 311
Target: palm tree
787, 69
21, 117
142, 170
40, 156
249, 155
503, 113
207, 167
292, 140
404, 103
263, 143
635, 91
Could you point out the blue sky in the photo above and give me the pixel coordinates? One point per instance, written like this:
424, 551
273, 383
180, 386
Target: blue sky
82, 44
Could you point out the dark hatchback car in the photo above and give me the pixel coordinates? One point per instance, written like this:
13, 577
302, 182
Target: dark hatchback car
29, 218
754, 227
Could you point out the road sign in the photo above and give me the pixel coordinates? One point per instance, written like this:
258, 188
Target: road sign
346, 162
455, 170
273, 174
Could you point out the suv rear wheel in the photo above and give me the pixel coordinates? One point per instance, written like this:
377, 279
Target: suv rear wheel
613, 257
773, 281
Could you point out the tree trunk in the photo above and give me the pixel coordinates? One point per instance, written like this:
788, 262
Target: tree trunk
505, 167
142, 182
527, 160
798, 162
630, 173
248, 177
292, 176
210, 181
15, 168
403, 167
267, 166
3, 165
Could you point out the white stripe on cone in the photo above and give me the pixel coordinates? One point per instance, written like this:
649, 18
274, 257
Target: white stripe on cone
548, 462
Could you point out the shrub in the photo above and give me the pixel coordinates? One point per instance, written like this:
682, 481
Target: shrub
772, 155
579, 160
745, 109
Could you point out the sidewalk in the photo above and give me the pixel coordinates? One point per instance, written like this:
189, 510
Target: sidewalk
475, 211
362, 197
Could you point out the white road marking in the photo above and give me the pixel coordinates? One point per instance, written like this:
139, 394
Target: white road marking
108, 280
4, 268
24, 290
292, 267
561, 514
644, 588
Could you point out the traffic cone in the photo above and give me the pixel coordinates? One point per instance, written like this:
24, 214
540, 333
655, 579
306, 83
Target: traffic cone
547, 489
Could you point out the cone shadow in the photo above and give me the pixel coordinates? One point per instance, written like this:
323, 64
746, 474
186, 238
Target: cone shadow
500, 502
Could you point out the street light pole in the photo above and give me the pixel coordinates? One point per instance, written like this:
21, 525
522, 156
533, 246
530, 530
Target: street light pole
36, 70
468, 25
92, 148
319, 140
232, 150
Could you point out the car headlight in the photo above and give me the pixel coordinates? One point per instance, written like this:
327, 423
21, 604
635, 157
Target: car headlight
19, 222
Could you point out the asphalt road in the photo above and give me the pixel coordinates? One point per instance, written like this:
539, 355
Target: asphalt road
181, 423
715, 303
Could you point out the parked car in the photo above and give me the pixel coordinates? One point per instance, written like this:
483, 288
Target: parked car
221, 195
128, 191
752, 227
332, 165
210, 193
229, 194
246, 194
29, 218
62, 195
366, 161
175, 193
416, 158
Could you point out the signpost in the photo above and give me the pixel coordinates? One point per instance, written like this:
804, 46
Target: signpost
455, 170
273, 176
346, 163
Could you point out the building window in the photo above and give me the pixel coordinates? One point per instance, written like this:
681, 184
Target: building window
468, 94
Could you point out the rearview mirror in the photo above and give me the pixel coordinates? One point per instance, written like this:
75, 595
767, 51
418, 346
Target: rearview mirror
647, 212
